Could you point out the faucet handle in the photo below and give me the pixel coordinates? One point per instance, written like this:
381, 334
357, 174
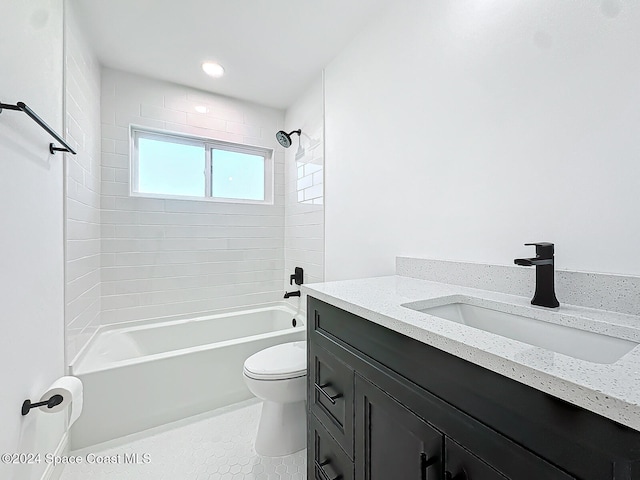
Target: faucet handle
297, 277
543, 249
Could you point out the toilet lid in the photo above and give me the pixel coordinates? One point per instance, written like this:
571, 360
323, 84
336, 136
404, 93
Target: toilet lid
288, 360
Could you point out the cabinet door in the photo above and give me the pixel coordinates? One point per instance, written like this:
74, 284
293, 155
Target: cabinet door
461, 464
392, 442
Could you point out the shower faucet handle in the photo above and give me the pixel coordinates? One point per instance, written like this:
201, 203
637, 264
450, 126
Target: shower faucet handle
297, 277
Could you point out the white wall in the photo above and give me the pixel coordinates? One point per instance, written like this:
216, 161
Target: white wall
82, 113
461, 130
178, 257
31, 215
304, 193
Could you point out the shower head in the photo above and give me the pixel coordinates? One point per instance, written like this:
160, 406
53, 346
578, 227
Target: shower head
284, 138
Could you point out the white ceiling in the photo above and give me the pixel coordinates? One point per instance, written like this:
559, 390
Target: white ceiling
271, 49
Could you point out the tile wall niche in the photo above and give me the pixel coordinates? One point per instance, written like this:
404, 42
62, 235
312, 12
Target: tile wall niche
304, 196
82, 217
164, 257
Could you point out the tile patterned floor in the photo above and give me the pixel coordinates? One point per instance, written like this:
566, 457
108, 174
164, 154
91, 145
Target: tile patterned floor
218, 447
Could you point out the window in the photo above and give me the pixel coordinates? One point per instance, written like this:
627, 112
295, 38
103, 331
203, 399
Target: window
171, 165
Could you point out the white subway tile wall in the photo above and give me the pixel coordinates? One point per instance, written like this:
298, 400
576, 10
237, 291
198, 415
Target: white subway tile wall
83, 174
304, 211
163, 257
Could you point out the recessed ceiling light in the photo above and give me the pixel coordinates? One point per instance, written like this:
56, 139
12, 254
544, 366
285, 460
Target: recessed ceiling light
201, 109
214, 70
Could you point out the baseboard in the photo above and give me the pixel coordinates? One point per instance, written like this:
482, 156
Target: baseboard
53, 472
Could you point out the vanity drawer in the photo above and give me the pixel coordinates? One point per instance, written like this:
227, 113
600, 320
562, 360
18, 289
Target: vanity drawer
330, 395
326, 460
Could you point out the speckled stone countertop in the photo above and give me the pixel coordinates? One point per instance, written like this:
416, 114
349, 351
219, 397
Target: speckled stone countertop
611, 390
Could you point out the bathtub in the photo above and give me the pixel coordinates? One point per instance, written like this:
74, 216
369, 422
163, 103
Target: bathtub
146, 374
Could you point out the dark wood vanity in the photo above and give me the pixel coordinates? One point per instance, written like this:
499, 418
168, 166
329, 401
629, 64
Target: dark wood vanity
383, 406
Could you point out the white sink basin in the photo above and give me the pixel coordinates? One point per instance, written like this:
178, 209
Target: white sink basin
582, 344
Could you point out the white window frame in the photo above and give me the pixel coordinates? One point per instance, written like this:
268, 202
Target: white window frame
136, 132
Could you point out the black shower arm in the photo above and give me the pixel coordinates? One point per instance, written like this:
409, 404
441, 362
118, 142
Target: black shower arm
299, 132
22, 107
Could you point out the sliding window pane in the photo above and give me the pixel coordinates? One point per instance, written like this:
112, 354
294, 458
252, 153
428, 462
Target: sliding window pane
237, 175
170, 168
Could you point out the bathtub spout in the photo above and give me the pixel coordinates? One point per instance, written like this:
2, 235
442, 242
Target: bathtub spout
292, 294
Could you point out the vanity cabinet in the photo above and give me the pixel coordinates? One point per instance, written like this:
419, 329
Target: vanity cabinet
383, 406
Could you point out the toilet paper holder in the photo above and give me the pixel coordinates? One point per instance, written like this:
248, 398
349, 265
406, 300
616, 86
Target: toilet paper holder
52, 402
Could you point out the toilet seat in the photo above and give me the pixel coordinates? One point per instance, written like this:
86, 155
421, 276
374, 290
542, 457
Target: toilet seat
280, 362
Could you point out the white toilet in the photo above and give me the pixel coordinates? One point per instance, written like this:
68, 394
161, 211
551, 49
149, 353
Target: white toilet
278, 376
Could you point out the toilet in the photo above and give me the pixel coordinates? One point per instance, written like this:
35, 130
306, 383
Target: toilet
278, 376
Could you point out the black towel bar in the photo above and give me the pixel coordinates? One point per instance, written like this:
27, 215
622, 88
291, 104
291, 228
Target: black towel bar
22, 107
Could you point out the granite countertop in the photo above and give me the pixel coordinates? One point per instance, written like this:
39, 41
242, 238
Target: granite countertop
611, 390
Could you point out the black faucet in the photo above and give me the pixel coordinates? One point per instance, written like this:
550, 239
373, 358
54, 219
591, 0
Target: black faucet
545, 295
297, 277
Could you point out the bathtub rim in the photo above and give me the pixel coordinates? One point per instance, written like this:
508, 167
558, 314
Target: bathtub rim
156, 322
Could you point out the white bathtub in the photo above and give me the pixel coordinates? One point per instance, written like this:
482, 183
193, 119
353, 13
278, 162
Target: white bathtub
146, 374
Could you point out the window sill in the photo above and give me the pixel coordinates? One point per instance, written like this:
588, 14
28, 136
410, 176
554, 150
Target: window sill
160, 196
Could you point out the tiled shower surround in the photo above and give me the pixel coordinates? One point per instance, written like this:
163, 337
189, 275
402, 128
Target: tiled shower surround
167, 257
82, 222
304, 195
177, 257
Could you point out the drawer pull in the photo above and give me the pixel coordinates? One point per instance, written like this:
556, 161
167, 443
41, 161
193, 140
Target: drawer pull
320, 469
331, 398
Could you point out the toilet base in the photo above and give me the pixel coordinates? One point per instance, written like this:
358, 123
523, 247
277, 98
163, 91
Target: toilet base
282, 429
